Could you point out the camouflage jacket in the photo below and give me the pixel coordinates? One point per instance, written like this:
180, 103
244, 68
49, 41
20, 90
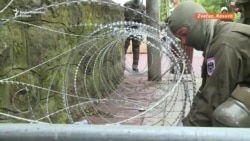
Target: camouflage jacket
226, 64
134, 12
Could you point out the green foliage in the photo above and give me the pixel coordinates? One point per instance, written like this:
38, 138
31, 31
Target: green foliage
215, 6
210, 6
237, 16
166, 5
163, 10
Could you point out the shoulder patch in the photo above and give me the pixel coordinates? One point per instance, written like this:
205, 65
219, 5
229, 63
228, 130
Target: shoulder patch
210, 65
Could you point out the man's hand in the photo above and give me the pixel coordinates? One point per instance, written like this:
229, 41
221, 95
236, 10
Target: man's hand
234, 7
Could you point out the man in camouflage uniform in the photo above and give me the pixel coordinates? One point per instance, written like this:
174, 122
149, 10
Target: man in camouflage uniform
131, 15
242, 6
224, 96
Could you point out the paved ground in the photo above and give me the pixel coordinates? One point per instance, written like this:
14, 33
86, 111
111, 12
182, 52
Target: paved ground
137, 101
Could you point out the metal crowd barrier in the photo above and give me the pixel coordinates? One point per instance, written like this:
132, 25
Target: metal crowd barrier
71, 132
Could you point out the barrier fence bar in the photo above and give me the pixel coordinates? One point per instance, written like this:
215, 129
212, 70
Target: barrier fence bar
71, 132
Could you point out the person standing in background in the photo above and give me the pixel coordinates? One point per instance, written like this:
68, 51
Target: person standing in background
224, 10
130, 15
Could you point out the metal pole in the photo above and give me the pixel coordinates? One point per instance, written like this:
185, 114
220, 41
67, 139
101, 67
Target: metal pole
71, 132
154, 58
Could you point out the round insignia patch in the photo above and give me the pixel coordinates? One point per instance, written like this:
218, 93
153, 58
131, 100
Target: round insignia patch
210, 65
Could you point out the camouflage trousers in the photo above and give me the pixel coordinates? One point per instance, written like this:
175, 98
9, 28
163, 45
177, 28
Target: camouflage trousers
135, 48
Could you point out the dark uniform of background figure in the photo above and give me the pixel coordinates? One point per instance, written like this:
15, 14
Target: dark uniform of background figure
130, 15
242, 6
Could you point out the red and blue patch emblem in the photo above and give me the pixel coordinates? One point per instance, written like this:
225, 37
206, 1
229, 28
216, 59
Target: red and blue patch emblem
210, 65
